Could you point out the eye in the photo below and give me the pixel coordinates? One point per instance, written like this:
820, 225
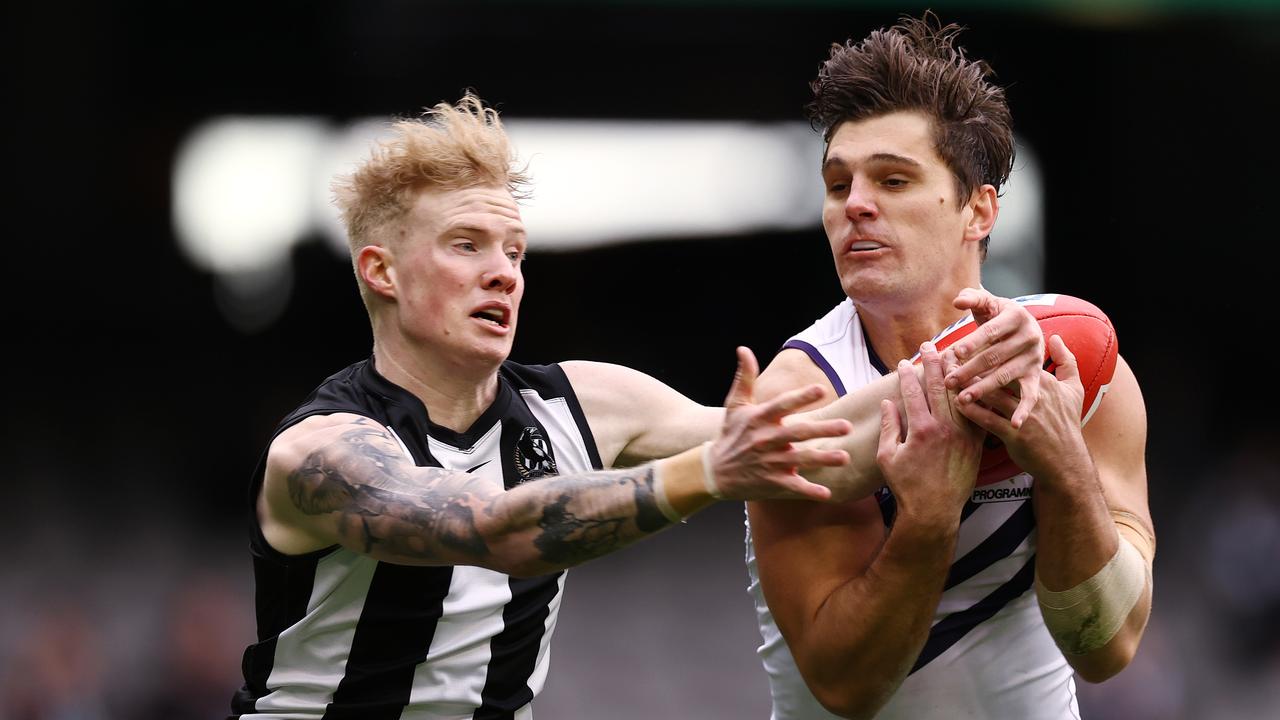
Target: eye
465, 246
516, 256
837, 187
894, 182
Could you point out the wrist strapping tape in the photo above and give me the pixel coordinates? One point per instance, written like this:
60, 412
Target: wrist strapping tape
660, 496
709, 475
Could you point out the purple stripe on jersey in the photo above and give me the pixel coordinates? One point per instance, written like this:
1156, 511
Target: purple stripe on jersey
820, 361
949, 630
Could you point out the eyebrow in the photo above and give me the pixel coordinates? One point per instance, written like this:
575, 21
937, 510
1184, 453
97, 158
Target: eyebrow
474, 228
877, 157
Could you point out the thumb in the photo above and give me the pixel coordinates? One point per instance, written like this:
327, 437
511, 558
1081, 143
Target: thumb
743, 390
1062, 357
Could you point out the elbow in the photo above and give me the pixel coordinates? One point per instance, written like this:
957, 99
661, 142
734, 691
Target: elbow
510, 552
848, 702
850, 695
527, 568
516, 565
1105, 662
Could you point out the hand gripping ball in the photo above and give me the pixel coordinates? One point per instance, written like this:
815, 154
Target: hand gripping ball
1089, 335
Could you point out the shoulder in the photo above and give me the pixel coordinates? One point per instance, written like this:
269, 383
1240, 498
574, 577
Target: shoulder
1122, 411
315, 433
308, 448
790, 369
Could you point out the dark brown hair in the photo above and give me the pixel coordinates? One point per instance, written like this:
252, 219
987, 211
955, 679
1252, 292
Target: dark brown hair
915, 65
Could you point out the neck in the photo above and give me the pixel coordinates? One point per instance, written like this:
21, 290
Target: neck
896, 330
455, 394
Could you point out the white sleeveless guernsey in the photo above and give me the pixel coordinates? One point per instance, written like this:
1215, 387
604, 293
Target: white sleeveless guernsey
988, 654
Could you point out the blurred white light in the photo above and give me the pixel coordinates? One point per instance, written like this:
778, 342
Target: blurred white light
602, 182
345, 151
245, 190
241, 190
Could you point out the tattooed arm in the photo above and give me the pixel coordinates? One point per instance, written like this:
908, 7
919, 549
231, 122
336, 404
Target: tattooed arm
343, 479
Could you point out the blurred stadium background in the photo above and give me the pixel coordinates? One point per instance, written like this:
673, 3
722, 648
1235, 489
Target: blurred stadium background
148, 369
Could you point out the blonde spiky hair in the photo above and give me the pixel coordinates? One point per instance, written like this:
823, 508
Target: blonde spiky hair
451, 147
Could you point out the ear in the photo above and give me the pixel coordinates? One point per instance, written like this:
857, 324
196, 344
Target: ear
376, 267
984, 206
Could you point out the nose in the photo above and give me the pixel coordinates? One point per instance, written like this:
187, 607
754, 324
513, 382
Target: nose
861, 205
500, 275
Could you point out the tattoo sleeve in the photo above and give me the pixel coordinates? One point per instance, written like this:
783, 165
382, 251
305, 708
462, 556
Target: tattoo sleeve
383, 505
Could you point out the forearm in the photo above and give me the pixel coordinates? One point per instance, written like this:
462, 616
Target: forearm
362, 493
864, 639
1081, 562
1076, 535
564, 521
862, 475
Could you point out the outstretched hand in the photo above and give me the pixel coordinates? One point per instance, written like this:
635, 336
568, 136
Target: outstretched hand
754, 457
1007, 348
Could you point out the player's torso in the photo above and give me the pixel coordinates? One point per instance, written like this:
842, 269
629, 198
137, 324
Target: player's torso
373, 638
987, 654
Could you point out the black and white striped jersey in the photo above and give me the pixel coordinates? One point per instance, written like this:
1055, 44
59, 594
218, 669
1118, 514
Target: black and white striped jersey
988, 654
341, 635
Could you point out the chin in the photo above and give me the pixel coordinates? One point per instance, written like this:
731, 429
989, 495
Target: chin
492, 355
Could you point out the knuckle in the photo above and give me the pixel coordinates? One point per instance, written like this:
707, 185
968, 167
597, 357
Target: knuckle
992, 358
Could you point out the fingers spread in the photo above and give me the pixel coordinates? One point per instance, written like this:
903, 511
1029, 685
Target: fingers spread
807, 490
812, 457
800, 431
790, 401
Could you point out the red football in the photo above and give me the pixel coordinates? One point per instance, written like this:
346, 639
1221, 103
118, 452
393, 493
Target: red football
1090, 337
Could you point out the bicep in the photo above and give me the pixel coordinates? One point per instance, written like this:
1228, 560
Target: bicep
634, 417
1117, 439
806, 551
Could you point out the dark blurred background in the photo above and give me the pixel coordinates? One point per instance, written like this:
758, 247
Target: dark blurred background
140, 405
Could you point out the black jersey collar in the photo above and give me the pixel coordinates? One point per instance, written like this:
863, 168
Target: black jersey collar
415, 413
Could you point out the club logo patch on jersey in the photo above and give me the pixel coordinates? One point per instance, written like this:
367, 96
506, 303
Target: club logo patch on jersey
1014, 489
533, 458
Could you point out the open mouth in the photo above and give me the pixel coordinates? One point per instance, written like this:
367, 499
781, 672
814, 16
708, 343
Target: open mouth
495, 315
865, 246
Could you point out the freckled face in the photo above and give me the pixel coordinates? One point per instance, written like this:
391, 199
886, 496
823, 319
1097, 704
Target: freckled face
457, 271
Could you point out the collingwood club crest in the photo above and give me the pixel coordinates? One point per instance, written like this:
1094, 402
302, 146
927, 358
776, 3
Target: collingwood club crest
533, 457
